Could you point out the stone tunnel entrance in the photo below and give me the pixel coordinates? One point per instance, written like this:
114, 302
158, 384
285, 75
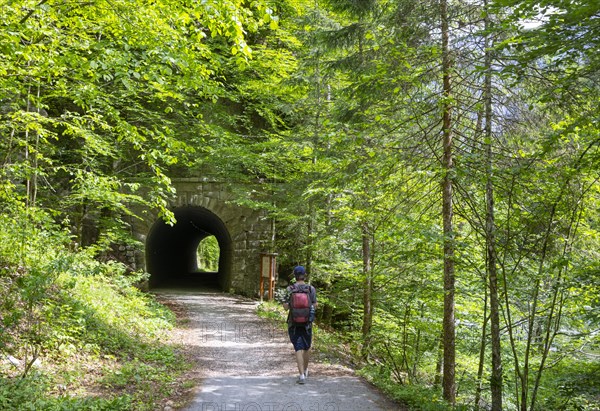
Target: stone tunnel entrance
172, 251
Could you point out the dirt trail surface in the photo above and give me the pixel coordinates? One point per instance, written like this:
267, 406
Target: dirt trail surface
246, 363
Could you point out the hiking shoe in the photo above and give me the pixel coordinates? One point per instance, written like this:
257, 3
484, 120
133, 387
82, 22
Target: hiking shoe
301, 379
306, 374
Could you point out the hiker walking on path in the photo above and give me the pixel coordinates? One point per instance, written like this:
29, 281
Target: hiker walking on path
301, 301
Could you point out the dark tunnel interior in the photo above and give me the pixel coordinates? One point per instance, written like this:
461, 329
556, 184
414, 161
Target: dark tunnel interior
171, 251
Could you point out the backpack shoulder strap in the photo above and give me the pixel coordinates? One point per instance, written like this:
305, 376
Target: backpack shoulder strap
313, 294
299, 288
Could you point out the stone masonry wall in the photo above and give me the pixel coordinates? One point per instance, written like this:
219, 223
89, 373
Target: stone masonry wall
250, 230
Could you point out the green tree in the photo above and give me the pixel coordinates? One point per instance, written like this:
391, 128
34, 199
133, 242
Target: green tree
96, 98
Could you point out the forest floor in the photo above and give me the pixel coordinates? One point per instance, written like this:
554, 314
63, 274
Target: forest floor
244, 362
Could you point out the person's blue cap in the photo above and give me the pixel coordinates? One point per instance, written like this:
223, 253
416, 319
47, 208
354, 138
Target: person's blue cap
299, 271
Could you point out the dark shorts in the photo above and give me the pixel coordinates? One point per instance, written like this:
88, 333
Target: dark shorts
301, 337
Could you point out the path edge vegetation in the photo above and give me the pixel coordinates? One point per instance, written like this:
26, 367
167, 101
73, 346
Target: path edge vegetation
76, 332
331, 346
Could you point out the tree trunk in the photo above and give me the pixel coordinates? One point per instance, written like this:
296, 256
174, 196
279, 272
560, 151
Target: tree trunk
448, 378
316, 138
417, 345
518, 373
496, 377
28, 183
482, 350
367, 289
405, 344
439, 364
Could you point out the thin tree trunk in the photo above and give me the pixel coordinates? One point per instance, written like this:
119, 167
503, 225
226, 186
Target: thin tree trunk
439, 364
448, 378
407, 313
367, 289
34, 180
417, 345
505, 292
496, 377
316, 137
28, 182
482, 349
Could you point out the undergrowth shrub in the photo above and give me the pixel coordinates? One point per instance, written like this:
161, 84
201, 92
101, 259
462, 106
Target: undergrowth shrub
74, 331
30, 393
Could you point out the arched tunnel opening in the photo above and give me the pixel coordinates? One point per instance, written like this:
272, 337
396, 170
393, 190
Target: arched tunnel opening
172, 254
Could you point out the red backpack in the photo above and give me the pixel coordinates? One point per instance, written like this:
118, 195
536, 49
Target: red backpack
300, 303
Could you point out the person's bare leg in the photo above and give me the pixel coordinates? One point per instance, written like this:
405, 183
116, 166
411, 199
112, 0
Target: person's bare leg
305, 359
300, 361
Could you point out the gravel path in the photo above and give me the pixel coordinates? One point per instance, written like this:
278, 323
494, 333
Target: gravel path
245, 363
